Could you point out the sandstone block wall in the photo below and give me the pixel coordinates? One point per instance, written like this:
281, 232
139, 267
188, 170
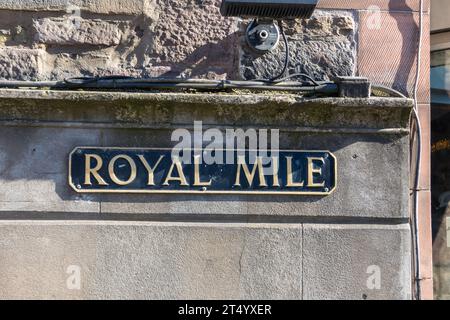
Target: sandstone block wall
189, 38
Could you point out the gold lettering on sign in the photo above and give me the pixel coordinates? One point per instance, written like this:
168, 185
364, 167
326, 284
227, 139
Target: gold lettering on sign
88, 171
289, 175
150, 170
197, 182
250, 175
113, 175
181, 178
313, 171
276, 167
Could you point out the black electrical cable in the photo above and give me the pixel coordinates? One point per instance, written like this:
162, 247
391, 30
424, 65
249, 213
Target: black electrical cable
418, 272
129, 83
124, 82
296, 75
287, 57
281, 77
415, 219
277, 80
276, 83
86, 80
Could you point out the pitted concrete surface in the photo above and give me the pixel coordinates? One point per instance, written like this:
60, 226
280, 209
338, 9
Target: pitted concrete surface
200, 246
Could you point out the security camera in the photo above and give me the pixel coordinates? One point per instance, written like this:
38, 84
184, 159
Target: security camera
263, 34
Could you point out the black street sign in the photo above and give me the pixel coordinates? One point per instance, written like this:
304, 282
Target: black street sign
141, 170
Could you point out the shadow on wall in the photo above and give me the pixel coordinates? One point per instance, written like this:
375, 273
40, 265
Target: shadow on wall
50, 46
42, 169
160, 55
403, 80
212, 60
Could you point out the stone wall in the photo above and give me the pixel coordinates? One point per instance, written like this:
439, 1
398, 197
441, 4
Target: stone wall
169, 38
174, 38
204, 245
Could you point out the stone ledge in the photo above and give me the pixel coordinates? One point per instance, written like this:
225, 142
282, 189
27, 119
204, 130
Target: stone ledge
166, 110
223, 98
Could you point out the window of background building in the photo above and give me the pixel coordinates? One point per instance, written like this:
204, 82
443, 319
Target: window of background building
440, 140
440, 163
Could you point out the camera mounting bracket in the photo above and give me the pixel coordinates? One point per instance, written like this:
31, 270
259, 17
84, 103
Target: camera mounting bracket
263, 35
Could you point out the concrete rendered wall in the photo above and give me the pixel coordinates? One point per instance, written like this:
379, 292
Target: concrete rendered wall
217, 247
203, 246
